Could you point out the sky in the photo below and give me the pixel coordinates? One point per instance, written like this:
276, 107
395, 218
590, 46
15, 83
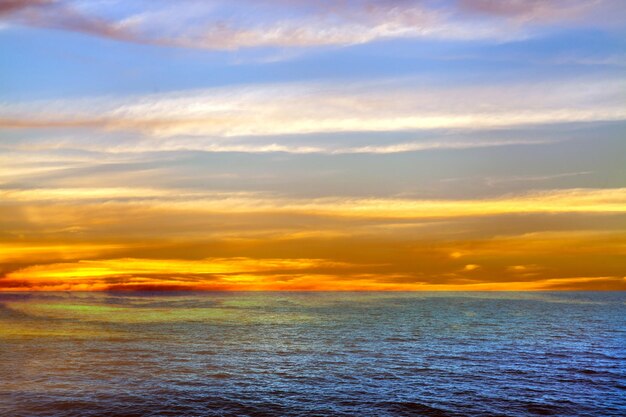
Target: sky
312, 145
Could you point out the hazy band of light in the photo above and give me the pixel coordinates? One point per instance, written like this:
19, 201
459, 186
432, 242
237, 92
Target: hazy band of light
574, 200
395, 105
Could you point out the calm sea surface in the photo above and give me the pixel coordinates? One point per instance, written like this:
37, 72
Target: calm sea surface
313, 354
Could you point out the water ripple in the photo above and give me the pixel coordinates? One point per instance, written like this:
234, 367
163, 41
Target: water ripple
313, 354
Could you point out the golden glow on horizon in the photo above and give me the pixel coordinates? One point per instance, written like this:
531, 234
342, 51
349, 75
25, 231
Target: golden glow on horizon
525, 262
130, 266
126, 238
574, 200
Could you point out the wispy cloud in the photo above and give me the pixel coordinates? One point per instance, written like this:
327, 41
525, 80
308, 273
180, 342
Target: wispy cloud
317, 108
55, 14
538, 10
492, 181
218, 25
8, 7
553, 201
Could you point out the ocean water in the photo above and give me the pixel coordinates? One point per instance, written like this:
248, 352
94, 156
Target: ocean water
313, 354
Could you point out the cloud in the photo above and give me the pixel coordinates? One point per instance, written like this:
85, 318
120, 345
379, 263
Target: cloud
349, 264
8, 7
129, 273
529, 9
525, 13
141, 238
219, 25
494, 181
140, 146
55, 14
281, 109
115, 193
552, 201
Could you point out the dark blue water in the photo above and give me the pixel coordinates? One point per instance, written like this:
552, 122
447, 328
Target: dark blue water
313, 354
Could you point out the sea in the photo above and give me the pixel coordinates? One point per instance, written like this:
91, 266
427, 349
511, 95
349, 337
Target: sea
313, 354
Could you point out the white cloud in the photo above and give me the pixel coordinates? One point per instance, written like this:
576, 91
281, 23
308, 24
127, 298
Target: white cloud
215, 115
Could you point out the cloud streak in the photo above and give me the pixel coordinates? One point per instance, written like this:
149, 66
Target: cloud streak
557, 201
397, 105
55, 14
218, 25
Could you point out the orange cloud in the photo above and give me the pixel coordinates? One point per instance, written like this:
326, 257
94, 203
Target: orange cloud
143, 238
527, 262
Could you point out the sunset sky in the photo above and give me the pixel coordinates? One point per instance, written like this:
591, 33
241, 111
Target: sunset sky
312, 145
